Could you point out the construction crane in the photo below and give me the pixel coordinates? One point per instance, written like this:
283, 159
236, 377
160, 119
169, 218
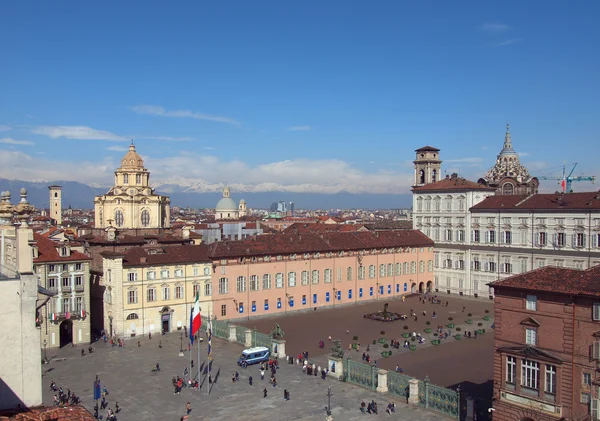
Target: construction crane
566, 180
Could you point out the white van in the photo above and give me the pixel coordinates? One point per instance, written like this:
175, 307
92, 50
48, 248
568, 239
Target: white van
254, 355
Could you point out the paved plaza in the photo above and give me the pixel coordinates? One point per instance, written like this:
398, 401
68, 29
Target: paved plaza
145, 395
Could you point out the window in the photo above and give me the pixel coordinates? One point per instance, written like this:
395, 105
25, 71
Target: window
179, 273
511, 370
448, 235
66, 305
531, 336
145, 217
413, 267
315, 277
585, 398
550, 379
138, 179
405, 268
77, 266
531, 301
223, 310
371, 271
587, 379
79, 281
241, 284
196, 271
491, 236
132, 316
460, 236
382, 271
51, 268
523, 263
541, 239
151, 274
327, 276
78, 304
223, 286
304, 277
361, 273
422, 266
65, 283
208, 289
476, 264
596, 312
476, 236
507, 237
390, 270
507, 266
132, 297
579, 240
561, 239
430, 266
132, 276
196, 290
207, 270
151, 294
125, 178
119, 219
279, 280
223, 270
292, 279
267, 281
254, 283
530, 374
492, 266
166, 292
398, 271
164, 274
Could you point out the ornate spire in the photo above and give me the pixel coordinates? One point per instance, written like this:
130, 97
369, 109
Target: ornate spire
507, 140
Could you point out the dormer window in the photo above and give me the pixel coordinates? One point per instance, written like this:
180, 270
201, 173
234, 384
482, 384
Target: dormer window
306, 255
64, 252
125, 178
317, 255
341, 254
35, 252
293, 257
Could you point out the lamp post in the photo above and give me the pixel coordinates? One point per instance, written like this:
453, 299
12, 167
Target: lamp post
180, 344
45, 343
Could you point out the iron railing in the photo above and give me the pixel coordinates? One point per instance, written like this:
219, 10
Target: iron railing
361, 374
240, 334
440, 399
260, 339
398, 384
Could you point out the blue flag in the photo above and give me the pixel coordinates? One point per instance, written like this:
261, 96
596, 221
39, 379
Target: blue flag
191, 325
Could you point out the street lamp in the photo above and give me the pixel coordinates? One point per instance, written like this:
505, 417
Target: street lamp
180, 343
45, 354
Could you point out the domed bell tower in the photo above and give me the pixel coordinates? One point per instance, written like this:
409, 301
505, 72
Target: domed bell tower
427, 166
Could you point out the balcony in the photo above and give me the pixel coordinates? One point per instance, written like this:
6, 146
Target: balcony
78, 288
65, 289
63, 316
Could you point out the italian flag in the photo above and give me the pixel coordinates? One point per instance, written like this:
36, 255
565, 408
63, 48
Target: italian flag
195, 320
53, 317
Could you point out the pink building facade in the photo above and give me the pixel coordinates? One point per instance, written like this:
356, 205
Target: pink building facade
269, 275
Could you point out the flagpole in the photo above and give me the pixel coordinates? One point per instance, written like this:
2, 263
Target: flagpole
209, 350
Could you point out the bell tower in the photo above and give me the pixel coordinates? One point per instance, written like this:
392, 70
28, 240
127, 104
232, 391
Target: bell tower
427, 166
56, 204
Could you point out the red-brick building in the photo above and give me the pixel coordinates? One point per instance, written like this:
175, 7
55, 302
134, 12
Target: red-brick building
547, 345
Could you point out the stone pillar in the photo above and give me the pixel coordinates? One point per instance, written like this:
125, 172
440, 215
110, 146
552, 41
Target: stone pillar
338, 363
382, 386
470, 409
232, 333
413, 394
280, 345
248, 338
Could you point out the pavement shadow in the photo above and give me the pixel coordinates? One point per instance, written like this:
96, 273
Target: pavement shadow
483, 394
214, 381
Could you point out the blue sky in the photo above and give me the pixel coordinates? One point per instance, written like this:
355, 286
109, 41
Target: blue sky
298, 96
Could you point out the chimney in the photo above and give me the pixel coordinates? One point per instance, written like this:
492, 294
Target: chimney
143, 259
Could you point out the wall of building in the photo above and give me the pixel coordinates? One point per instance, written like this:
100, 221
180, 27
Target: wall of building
565, 331
234, 298
138, 315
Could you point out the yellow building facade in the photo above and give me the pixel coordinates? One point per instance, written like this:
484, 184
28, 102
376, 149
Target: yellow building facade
131, 203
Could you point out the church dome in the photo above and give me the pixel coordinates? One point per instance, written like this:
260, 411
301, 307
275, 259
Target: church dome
132, 159
226, 204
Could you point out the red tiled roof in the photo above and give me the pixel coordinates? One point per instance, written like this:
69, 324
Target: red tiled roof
131, 239
48, 251
452, 183
317, 228
167, 255
289, 243
555, 280
69, 413
554, 201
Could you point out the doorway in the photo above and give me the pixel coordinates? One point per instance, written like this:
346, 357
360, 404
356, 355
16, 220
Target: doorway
421, 287
66, 333
166, 323
413, 288
428, 286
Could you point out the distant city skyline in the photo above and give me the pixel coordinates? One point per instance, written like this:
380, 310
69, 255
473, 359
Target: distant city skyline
273, 96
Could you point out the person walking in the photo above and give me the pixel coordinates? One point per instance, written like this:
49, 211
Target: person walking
188, 408
265, 392
262, 374
250, 380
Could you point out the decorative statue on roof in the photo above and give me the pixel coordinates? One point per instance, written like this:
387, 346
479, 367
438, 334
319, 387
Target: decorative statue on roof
277, 332
337, 351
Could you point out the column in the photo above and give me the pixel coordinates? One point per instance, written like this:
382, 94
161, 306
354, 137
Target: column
248, 338
279, 344
382, 386
232, 333
337, 364
413, 395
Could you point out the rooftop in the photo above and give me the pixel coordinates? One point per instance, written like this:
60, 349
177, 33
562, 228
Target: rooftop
555, 280
48, 251
154, 256
291, 243
453, 182
554, 201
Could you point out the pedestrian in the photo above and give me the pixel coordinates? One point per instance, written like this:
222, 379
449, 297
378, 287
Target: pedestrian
149, 335
117, 408
250, 380
192, 363
188, 408
262, 374
265, 392
463, 309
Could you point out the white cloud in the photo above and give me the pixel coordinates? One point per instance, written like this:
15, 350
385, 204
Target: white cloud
169, 138
299, 128
469, 161
523, 154
5, 128
160, 111
209, 148
201, 173
117, 148
506, 42
77, 132
495, 27
10, 141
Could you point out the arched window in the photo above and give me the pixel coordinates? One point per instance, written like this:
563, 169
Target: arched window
428, 203
101, 218
422, 177
125, 178
132, 316
508, 189
434, 176
145, 217
420, 204
119, 218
